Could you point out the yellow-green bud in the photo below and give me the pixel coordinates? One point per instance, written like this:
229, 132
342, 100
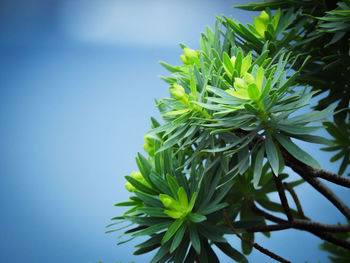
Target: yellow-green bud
233, 60
178, 92
240, 84
129, 187
190, 53
184, 59
249, 79
149, 145
190, 57
136, 175
264, 17
261, 23
167, 202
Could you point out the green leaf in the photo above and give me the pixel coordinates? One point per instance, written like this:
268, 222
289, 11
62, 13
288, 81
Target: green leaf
183, 200
196, 218
246, 247
192, 201
178, 238
195, 239
160, 183
129, 203
227, 64
152, 211
231, 252
149, 200
212, 208
253, 91
140, 186
174, 186
272, 154
151, 241
258, 164
298, 129
296, 152
172, 69
161, 253
152, 229
172, 230
144, 250
214, 236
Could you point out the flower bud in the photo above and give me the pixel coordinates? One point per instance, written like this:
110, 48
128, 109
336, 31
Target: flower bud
178, 92
261, 23
190, 57
149, 145
233, 60
249, 79
240, 84
167, 202
136, 175
129, 187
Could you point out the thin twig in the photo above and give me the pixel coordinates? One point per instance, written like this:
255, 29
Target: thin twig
255, 245
283, 197
296, 200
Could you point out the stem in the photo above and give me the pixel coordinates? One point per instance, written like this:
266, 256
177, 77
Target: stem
255, 245
296, 200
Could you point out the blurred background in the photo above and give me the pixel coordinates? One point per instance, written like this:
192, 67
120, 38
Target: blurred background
78, 82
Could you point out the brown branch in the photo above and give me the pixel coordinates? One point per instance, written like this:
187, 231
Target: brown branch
318, 229
332, 177
283, 197
333, 239
301, 224
306, 172
268, 228
255, 245
296, 199
266, 215
315, 226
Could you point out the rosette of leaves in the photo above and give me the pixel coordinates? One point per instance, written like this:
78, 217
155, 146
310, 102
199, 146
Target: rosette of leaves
177, 209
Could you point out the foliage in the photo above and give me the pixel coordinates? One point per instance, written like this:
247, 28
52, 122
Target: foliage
236, 110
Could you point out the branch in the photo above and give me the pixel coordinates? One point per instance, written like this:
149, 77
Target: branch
268, 228
333, 239
318, 229
332, 177
307, 173
266, 215
296, 200
255, 245
283, 198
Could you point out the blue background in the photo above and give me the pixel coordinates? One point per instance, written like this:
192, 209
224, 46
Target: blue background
78, 82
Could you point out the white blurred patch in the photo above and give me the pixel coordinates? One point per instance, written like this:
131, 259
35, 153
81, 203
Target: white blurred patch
138, 22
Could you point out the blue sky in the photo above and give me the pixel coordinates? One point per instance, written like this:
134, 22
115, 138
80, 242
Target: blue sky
78, 82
